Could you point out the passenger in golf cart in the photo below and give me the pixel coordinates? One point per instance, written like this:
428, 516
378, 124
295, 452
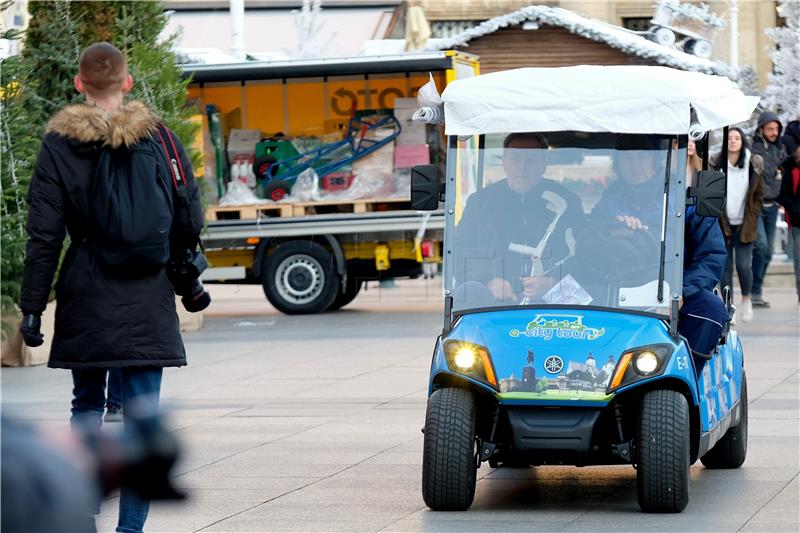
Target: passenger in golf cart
633, 200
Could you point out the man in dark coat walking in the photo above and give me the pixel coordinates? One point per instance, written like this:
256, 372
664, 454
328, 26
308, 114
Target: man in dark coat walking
767, 144
103, 320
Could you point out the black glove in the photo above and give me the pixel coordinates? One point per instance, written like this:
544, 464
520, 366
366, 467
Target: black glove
30, 328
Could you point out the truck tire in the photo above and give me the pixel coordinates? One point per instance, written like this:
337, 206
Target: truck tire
448, 463
731, 450
346, 295
299, 277
662, 479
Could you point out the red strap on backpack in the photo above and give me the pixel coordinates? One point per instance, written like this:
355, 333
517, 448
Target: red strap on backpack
174, 160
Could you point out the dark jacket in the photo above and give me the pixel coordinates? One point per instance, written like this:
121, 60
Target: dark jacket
704, 245
102, 320
790, 199
704, 253
497, 216
791, 138
773, 154
753, 202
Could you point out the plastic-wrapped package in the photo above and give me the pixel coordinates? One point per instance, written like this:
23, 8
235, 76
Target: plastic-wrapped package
306, 187
239, 193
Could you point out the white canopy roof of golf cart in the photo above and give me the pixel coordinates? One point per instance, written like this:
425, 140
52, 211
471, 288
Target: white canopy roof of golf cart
619, 99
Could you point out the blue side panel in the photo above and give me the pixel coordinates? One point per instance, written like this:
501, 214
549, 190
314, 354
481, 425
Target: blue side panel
562, 357
720, 382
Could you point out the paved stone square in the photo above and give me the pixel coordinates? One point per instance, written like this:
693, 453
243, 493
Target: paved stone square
312, 423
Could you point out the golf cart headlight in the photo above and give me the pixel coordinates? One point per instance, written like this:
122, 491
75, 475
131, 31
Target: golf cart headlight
470, 360
646, 362
640, 363
465, 358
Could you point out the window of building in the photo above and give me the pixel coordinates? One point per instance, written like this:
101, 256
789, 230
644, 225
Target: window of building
636, 23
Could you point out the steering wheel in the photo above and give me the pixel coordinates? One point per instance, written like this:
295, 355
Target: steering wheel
611, 252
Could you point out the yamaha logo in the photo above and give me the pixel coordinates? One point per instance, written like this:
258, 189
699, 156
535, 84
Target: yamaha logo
553, 364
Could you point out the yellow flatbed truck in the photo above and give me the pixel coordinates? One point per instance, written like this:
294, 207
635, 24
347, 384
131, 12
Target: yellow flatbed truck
315, 256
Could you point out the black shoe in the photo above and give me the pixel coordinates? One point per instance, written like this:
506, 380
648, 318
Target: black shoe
113, 414
759, 301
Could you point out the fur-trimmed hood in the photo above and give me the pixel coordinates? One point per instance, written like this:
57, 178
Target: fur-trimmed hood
87, 123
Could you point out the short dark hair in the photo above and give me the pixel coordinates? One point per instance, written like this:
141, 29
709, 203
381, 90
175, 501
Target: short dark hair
102, 68
540, 139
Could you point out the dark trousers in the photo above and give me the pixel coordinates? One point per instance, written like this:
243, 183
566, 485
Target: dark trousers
701, 320
762, 254
140, 385
741, 255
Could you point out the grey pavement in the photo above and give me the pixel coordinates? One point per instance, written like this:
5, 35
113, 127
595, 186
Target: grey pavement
312, 423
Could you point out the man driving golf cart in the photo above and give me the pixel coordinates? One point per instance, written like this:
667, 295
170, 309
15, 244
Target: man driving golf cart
528, 221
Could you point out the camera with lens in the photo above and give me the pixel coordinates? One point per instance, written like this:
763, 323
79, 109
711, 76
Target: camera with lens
184, 273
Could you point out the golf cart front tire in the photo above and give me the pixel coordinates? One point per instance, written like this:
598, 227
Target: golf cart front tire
662, 478
731, 450
448, 464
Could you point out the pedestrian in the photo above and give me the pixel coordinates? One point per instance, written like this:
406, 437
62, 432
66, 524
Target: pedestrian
791, 138
766, 143
739, 221
790, 200
693, 163
115, 303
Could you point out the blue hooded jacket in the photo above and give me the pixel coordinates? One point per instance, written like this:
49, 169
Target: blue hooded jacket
704, 253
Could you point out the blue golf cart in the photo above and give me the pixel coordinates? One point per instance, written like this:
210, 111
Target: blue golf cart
565, 199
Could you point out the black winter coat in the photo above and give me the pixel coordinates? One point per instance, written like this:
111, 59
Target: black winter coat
102, 320
790, 199
773, 154
791, 139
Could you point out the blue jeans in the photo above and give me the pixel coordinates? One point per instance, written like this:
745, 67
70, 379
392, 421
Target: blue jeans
742, 256
762, 254
114, 393
88, 400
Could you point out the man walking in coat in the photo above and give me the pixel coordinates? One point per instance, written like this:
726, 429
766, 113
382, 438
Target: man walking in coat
767, 144
103, 319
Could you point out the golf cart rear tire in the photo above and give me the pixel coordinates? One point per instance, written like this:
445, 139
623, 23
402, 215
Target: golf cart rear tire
662, 480
348, 294
448, 462
731, 450
303, 258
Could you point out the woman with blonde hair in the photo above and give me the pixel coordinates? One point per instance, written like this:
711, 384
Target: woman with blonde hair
693, 163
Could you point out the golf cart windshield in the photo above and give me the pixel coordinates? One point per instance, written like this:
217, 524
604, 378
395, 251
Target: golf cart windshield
564, 218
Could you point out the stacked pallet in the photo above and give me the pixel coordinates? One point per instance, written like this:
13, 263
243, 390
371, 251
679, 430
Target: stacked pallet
300, 209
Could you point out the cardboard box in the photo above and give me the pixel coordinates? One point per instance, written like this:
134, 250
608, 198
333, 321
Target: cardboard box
406, 156
243, 142
411, 132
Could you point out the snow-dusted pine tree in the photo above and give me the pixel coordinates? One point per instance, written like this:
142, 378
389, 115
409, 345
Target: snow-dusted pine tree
782, 95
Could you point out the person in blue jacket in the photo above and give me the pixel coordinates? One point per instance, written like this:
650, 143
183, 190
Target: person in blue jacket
702, 314
635, 200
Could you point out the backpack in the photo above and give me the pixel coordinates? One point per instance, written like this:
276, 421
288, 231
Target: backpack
132, 210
